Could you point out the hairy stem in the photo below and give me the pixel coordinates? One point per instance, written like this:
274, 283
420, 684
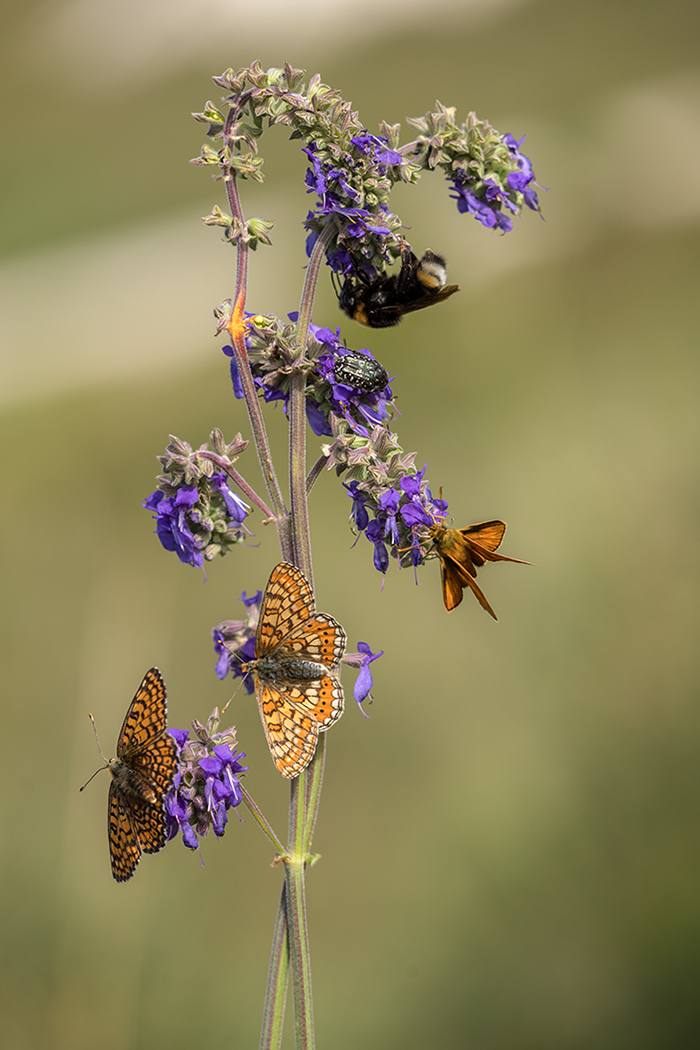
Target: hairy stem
236, 329
239, 480
297, 414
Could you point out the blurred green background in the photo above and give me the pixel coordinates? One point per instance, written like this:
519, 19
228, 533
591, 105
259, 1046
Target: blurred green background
510, 843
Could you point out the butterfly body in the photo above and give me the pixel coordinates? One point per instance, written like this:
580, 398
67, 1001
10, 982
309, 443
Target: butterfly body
142, 774
129, 783
461, 551
297, 657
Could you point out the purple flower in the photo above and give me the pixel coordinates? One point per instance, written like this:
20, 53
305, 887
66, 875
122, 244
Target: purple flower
521, 179
236, 508
509, 187
488, 214
173, 523
362, 659
376, 147
207, 784
234, 641
375, 534
235, 375
360, 516
389, 505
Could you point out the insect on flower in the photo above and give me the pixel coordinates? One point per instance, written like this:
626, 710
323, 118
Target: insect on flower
361, 371
142, 774
381, 301
297, 656
460, 552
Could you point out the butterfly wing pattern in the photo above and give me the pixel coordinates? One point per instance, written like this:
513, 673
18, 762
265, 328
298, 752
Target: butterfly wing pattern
297, 657
460, 552
142, 774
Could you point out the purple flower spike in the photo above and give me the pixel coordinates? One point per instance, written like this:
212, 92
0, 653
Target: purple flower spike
207, 783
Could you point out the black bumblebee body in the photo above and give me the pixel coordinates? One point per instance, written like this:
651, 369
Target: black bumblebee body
381, 301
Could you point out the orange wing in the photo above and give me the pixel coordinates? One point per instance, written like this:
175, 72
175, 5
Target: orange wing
148, 823
145, 720
483, 539
460, 552
454, 579
320, 638
293, 715
287, 603
124, 848
292, 734
157, 764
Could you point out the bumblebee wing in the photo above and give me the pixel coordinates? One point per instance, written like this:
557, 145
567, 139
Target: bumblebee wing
424, 300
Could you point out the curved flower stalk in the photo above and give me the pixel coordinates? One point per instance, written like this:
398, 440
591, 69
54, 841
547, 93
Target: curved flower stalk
353, 171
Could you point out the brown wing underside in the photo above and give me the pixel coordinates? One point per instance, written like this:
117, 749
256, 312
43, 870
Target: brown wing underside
145, 720
157, 765
454, 579
134, 826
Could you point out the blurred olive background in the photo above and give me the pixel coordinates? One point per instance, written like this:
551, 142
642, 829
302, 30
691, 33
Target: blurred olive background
510, 843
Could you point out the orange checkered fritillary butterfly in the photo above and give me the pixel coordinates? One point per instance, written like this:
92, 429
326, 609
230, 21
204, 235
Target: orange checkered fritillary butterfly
297, 657
142, 773
460, 551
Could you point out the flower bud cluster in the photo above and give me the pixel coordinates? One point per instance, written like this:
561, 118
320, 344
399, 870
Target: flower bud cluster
197, 515
487, 171
207, 784
391, 501
361, 395
353, 171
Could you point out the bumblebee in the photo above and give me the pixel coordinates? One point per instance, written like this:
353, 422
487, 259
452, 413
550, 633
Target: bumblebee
381, 301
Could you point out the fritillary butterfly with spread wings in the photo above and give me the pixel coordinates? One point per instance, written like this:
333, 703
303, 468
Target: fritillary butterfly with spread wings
142, 773
297, 657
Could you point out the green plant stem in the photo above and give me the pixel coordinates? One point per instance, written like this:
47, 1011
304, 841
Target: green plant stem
299, 954
276, 995
263, 823
306, 786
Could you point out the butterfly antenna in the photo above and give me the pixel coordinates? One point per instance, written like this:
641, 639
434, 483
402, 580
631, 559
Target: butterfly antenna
105, 760
235, 694
236, 656
93, 776
97, 738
